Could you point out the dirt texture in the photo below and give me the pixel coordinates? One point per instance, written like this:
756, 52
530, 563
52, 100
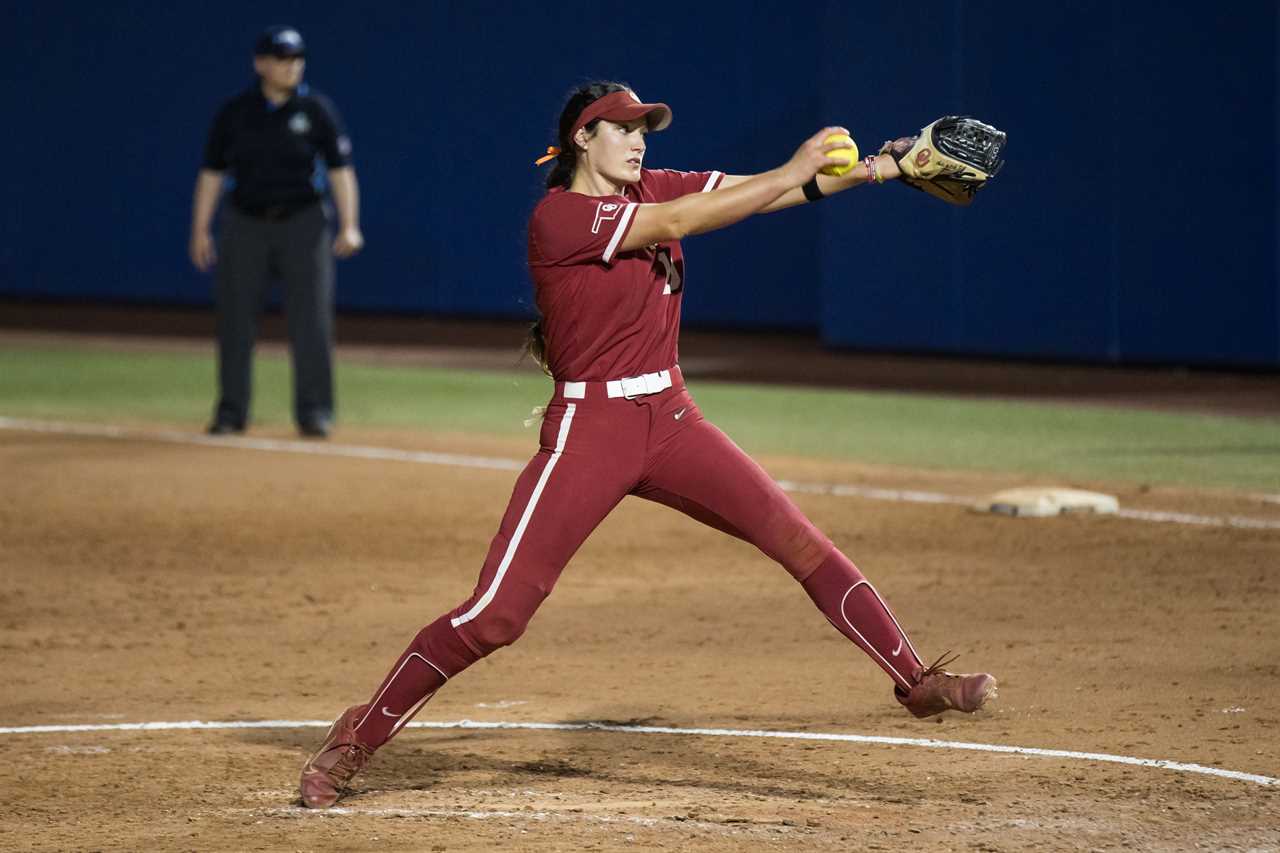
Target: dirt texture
151, 581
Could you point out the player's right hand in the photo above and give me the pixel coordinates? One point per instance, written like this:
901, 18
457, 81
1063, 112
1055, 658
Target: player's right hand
811, 156
202, 252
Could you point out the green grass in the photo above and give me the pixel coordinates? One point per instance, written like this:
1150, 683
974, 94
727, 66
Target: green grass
1068, 443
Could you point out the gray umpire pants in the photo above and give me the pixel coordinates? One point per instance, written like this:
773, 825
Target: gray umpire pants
251, 253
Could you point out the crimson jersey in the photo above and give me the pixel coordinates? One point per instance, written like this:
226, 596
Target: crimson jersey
608, 314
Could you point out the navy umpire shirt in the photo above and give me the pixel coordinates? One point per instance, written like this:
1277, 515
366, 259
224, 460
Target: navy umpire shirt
273, 152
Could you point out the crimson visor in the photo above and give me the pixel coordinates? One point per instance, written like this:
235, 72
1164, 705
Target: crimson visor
624, 106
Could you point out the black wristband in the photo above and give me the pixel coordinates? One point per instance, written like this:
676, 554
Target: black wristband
811, 191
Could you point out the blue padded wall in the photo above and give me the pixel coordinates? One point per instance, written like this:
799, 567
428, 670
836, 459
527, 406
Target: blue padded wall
1136, 219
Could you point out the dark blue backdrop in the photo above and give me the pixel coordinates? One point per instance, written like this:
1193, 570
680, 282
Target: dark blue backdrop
1136, 219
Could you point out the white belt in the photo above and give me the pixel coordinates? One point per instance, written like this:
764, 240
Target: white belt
629, 387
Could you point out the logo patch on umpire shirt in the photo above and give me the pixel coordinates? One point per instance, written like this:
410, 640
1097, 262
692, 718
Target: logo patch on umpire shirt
299, 123
606, 211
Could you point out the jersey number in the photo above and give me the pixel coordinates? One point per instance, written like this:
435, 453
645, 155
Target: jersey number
674, 282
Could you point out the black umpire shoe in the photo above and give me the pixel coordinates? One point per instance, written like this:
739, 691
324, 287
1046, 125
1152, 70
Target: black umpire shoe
221, 427
315, 427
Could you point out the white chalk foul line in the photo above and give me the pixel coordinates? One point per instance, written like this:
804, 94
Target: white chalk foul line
928, 743
498, 463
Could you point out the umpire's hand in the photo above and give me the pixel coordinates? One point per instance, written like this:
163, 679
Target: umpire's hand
348, 242
200, 249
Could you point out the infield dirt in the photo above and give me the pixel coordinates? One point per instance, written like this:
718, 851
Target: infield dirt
149, 581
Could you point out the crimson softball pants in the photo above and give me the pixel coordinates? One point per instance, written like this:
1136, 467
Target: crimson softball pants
595, 451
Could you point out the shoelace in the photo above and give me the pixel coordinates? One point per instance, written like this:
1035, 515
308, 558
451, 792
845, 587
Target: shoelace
350, 762
936, 667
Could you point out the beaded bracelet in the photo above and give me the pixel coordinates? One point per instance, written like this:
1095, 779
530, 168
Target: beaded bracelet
873, 173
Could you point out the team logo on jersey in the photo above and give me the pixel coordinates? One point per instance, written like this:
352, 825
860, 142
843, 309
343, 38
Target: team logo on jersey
606, 211
299, 123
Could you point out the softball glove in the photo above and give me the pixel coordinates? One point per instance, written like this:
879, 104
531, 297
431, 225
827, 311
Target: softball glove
951, 159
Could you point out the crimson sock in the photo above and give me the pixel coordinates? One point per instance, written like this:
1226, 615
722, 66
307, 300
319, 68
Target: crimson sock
436, 654
856, 610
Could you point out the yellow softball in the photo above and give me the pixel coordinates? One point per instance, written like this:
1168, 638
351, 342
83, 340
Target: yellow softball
849, 152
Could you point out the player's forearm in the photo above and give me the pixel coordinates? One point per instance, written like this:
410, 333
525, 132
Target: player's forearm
703, 212
346, 196
205, 200
828, 185
698, 213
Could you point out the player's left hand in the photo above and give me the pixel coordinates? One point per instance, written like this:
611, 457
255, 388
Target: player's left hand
951, 158
348, 242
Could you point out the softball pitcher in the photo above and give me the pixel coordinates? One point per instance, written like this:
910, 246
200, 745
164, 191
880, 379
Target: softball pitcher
609, 274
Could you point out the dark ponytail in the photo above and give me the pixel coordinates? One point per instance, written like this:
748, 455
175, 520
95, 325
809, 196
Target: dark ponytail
535, 346
581, 98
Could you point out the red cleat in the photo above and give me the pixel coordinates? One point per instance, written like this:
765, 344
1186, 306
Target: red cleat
937, 690
338, 760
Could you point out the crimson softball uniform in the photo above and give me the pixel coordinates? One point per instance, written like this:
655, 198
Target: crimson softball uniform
608, 314
621, 422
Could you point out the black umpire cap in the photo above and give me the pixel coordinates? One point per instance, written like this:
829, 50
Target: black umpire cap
280, 42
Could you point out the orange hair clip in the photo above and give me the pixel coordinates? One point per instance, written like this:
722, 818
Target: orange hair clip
552, 153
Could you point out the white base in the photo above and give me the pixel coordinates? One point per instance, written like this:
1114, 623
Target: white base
1042, 502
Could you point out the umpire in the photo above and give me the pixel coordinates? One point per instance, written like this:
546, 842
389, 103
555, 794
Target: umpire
266, 145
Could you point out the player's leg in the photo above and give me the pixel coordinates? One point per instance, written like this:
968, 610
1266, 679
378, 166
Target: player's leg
712, 480
699, 471
587, 462
240, 284
581, 471
306, 265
